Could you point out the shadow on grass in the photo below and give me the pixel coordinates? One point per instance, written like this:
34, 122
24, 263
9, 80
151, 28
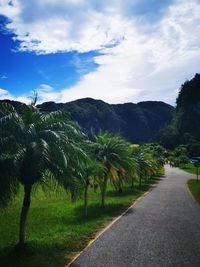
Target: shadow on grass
113, 209
39, 253
96, 212
34, 254
127, 191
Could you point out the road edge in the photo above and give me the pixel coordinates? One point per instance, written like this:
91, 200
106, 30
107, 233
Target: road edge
198, 204
106, 228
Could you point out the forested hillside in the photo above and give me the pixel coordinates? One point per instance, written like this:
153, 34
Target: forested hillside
185, 126
137, 122
188, 107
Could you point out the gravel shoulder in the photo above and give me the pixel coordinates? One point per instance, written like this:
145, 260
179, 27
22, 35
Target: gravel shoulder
162, 229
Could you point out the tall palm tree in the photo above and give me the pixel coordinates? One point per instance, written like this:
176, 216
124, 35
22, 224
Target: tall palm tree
92, 170
142, 164
32, 145
114, 154
146, 164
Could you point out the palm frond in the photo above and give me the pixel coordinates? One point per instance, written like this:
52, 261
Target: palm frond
9, 184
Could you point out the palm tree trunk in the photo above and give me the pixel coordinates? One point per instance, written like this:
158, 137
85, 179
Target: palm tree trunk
132, 183
103, 192
24, 213
120, 190
86, 200
95, 187
140, 181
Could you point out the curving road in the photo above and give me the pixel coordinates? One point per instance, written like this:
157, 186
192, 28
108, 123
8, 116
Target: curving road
162, 229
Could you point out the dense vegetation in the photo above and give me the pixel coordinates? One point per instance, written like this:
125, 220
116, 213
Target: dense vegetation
185, 127
46, 150
136, 122
56, 227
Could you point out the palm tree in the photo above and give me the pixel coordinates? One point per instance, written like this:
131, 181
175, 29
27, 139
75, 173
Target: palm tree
32, 145
114, 154
146, 165
92, 170
142, 164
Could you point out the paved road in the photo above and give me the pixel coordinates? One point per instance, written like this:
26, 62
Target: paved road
162, 229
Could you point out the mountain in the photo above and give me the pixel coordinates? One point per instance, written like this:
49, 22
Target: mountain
188, 108
136, 122
184, 128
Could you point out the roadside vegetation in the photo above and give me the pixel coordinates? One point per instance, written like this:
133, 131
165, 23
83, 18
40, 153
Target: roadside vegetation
57, 227
184, 128
180, 157
190, 168
194, 187
57, 187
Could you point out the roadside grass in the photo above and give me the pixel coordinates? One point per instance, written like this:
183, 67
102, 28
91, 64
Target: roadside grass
189, 168
56, 227
194, 187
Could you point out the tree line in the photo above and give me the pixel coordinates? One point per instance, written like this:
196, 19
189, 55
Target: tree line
184, 128
38, 147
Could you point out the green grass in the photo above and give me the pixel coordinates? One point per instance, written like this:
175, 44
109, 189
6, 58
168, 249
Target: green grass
189, 168
56, 227
194, 187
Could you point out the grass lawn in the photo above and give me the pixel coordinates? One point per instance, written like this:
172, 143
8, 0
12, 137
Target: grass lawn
194, 187
56, 227
190, 168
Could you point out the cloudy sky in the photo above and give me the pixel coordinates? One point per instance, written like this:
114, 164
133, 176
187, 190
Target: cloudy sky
115, 50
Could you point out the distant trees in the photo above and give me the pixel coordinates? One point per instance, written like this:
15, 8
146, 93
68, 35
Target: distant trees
185, 127
188, 107
189, 93
38, 147
114, 154
179, 156
149, 159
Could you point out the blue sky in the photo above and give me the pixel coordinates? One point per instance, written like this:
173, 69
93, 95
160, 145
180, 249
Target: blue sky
25, 71
117, 51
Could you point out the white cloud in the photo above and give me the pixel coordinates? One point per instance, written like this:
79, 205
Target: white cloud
44, 91
50, 26
4, 94
139, 61
23, 99
3, 77
47, 93
147, 66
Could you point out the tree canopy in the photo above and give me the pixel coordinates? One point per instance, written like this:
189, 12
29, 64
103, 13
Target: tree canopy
34, 146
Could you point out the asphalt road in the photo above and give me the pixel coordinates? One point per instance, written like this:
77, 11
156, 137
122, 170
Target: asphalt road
162, 229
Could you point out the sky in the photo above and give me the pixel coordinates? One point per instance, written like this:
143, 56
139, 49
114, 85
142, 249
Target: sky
114, 50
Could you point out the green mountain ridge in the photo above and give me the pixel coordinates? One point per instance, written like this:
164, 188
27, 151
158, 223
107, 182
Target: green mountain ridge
185, 127
137, 122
